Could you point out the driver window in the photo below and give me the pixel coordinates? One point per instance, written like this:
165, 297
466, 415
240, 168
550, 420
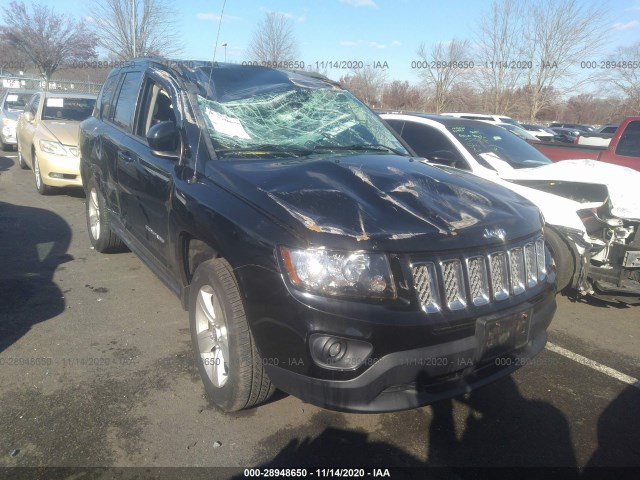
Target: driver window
156, 108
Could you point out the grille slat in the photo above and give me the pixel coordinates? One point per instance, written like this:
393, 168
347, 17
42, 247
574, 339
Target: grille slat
516, 263
454, 284
424, 280
485, 278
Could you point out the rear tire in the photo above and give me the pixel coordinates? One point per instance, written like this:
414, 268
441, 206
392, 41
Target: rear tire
21, 162
225, 351
103, 239
561, 254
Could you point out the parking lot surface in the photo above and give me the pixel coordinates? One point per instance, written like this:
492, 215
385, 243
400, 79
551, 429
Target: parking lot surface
96, 370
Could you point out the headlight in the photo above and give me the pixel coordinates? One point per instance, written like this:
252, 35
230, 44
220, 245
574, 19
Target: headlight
335, 273
52, 147
74, 151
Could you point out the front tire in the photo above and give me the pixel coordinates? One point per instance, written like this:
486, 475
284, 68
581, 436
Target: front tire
103, 239
565, 263
226, 355
40, 185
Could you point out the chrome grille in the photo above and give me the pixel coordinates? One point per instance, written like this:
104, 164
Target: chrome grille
479, 279
424, 282
516, 262
454, 284
531, 265
542, 269
499, 276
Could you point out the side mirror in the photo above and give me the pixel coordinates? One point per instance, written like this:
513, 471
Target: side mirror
163, 139
443, 157
28, 116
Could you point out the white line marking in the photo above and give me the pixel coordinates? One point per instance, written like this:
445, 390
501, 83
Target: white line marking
634, 382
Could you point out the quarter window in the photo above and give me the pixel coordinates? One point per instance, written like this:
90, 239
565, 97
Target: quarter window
125, 106
105, 101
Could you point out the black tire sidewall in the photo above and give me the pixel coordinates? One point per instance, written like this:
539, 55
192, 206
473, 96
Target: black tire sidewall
230, 396
565, 263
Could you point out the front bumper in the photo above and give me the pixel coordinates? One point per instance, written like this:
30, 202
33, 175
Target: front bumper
413, 378
59, 170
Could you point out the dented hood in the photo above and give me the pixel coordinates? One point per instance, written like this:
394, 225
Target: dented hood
380, 201
621, 182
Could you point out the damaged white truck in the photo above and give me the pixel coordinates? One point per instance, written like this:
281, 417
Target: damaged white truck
591, 209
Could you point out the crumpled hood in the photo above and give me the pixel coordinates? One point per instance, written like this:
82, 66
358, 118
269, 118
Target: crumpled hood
622, 183
381, 199
66, 132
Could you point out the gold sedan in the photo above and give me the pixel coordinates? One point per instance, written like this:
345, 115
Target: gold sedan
47, 134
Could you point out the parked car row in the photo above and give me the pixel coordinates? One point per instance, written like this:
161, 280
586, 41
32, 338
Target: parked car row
43, 126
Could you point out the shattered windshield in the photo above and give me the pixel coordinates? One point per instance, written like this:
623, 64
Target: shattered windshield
292, 116
486, 141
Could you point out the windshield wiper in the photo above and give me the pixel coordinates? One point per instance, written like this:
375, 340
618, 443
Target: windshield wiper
373, 147
267, 148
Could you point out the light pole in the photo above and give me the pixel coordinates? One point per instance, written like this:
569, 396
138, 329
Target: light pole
225, 51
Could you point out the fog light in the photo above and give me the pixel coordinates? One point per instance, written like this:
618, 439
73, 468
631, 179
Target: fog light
335, 349
56, 175
338, 353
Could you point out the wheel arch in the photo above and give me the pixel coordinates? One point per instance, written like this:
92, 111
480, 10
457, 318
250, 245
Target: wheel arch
192, 252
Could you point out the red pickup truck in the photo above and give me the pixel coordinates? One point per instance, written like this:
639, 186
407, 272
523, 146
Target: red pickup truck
624, 148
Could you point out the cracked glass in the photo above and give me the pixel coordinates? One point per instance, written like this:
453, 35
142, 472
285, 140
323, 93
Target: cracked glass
292, 115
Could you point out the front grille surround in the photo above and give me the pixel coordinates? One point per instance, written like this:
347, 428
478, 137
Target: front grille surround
457, 282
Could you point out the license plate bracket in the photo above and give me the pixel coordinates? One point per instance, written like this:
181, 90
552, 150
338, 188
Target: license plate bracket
500, 334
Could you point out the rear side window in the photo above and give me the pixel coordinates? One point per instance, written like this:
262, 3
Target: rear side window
629, 144
104, 103
126, 103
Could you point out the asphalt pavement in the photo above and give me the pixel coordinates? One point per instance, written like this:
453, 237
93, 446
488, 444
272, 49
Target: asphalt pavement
96, 370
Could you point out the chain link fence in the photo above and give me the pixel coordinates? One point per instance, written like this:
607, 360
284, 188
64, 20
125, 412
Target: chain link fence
54, 85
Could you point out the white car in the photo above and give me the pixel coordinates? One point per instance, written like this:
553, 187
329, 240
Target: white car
591, 211
541, 132
483, 116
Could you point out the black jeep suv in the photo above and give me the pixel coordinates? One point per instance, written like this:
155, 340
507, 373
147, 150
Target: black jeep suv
313, 252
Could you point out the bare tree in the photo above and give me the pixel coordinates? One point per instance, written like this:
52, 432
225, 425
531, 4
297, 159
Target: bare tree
12, 60
48, 39
273, 40
366, 84
449, 62
155, 32
625, 76
499, 42
401, 95
559, 34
